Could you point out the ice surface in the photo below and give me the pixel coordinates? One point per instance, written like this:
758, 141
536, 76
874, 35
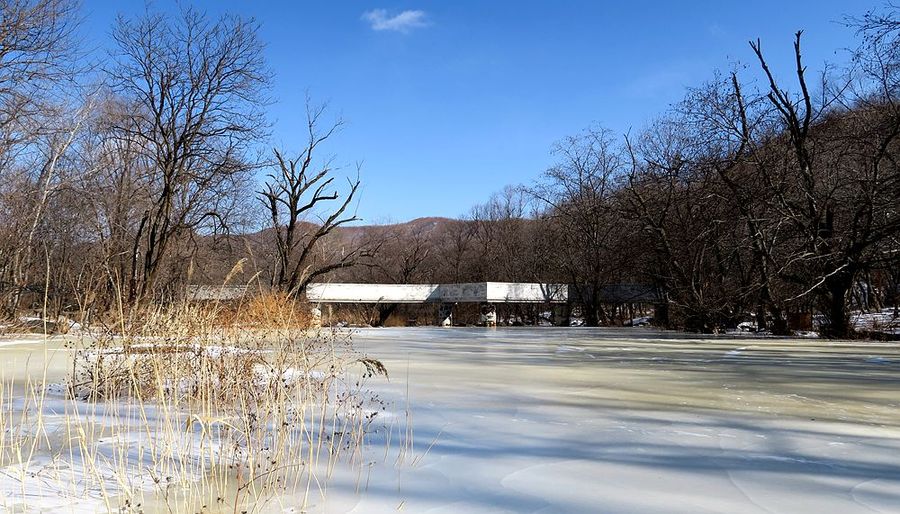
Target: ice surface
617, 420
633, 420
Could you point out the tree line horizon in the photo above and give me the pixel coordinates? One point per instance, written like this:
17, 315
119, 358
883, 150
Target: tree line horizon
124, 181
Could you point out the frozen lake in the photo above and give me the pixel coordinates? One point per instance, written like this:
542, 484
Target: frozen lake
610, 420
632, 420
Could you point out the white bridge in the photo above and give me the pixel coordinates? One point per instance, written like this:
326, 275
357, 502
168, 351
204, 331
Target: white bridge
559, 297
477, 292
445, 295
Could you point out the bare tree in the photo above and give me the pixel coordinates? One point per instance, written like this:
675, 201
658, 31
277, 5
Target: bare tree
115, 190
36, 58
194, 89
838, 186
875, 95
686, 227
454, 253
578, 193
37, 81
732, 133
502, 236
297, 190
49, 181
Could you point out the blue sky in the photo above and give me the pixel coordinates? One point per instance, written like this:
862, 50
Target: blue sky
452, 100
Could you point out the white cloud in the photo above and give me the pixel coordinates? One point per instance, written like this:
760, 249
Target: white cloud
405, 21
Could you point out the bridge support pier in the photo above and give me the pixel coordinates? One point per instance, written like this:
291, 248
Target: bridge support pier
445, 315
315, 317
488, 315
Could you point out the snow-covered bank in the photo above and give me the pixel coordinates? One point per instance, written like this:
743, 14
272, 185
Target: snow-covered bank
884, 321
177, 427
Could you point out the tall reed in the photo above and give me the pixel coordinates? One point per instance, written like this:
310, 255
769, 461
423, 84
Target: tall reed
191, 407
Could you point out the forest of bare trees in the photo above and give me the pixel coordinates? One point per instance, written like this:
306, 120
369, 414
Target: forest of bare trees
774, 200
117, 175
773, 197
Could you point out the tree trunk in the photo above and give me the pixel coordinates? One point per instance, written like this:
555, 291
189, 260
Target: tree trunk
837, 287
761, 321
779, 322
591, 317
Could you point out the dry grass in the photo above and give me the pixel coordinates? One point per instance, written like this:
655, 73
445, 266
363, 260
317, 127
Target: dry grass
272, 309
193, 408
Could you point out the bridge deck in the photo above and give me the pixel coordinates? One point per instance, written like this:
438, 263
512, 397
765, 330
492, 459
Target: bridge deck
478, 292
